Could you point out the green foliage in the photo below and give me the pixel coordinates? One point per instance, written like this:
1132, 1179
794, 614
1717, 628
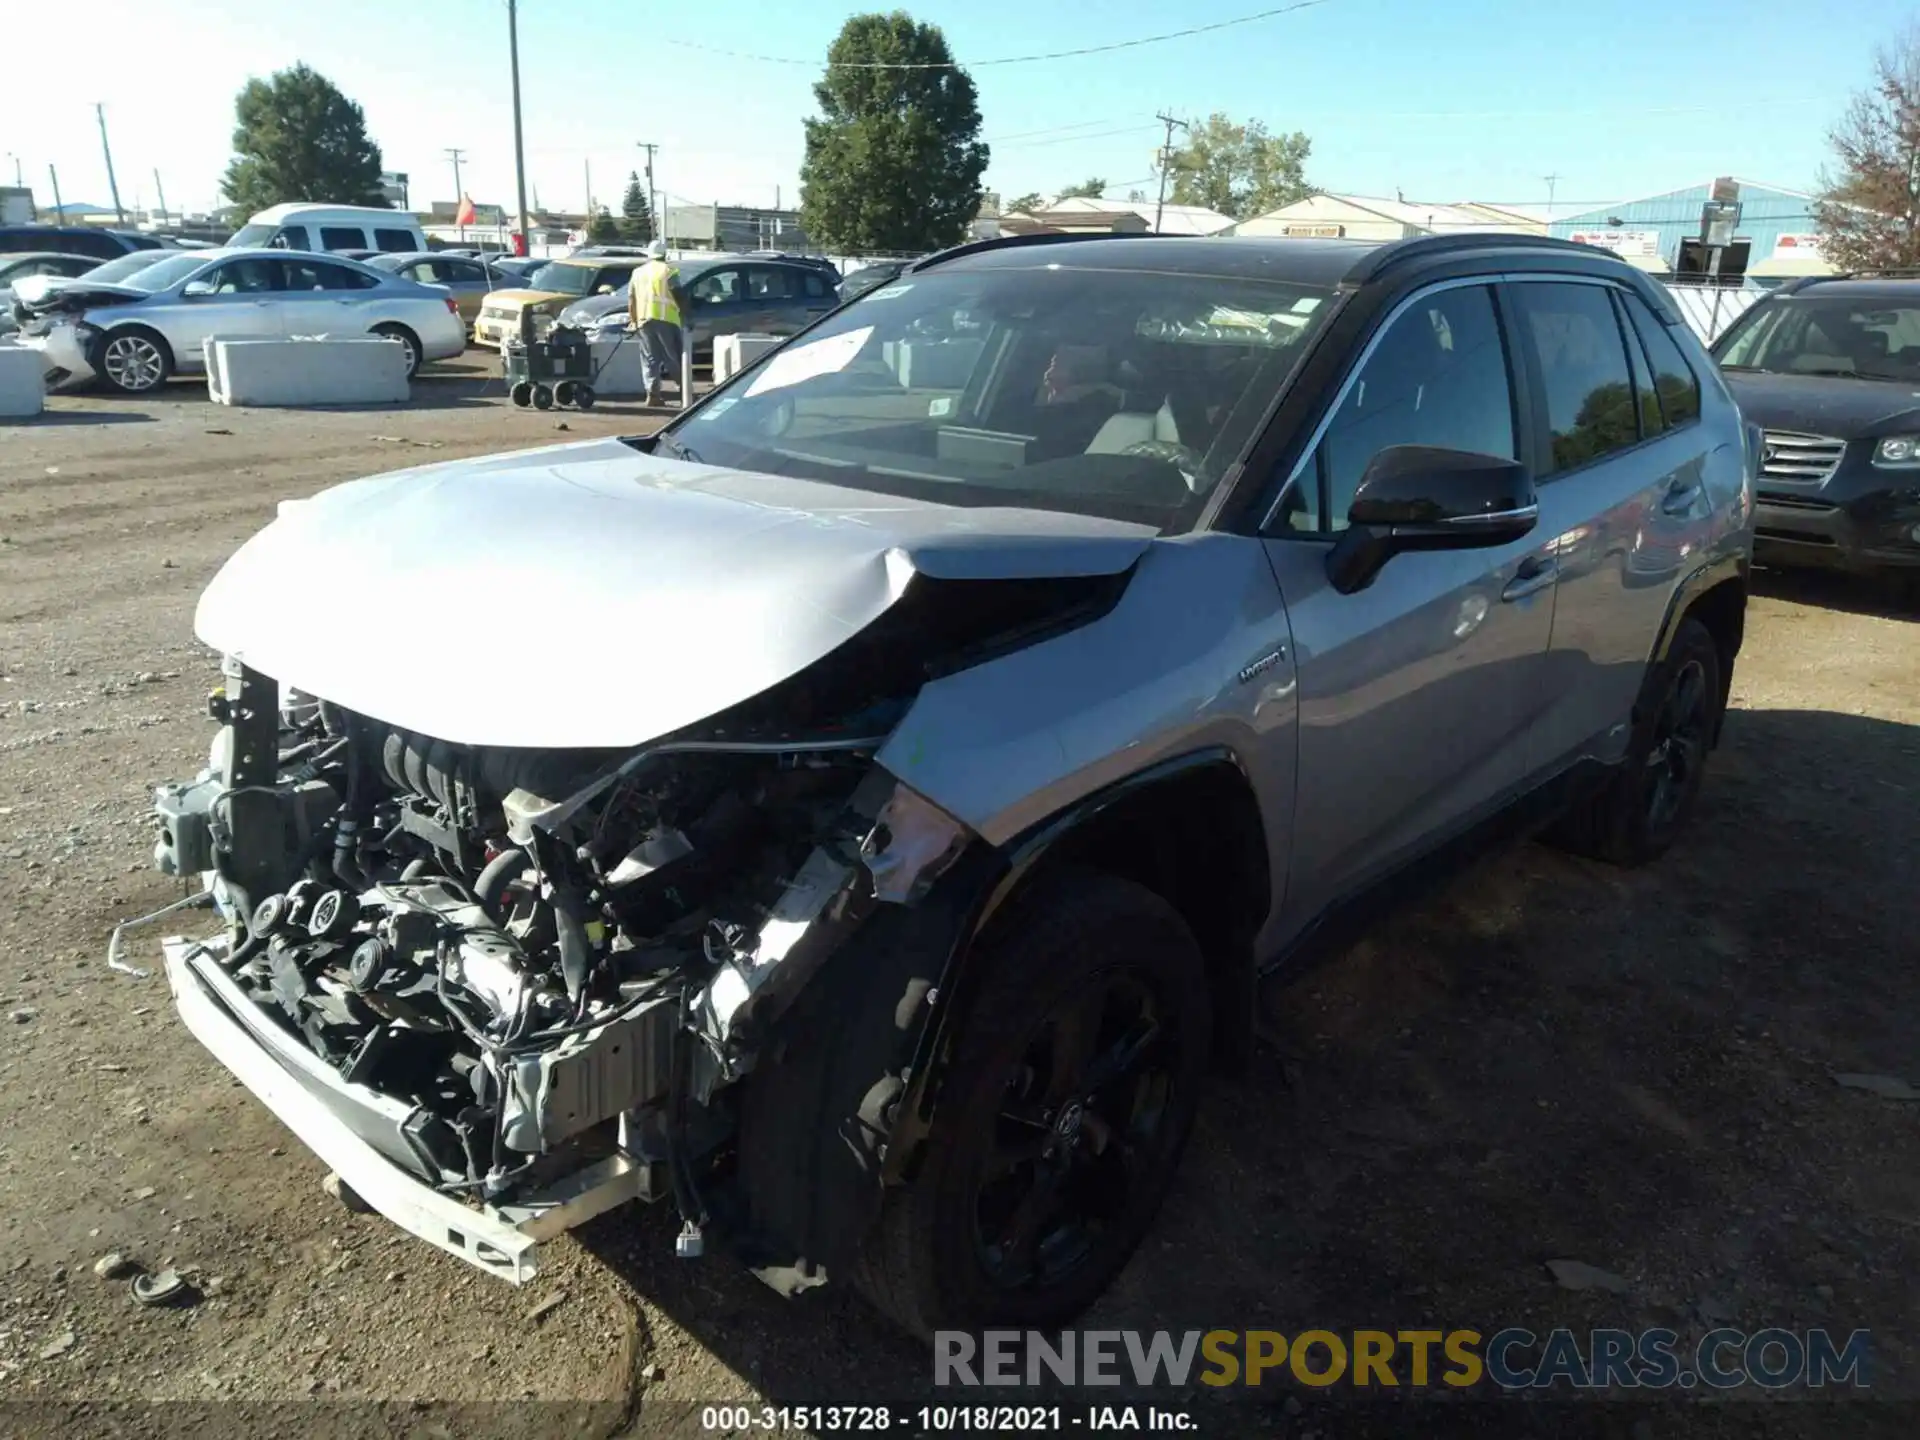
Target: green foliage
1024, 204
603, 229
1868, 212
893, 163
1092, 187
1239, 170
299, 138
636, 215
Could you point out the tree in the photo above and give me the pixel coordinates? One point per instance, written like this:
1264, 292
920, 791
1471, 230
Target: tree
1025, 204
636, 212
1868, 211
1239, 170
299, 138
1093, 187
893, 163
603, 229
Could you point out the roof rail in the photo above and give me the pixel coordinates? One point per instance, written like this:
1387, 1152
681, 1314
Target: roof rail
1008, 242
1886, 272
1419, 247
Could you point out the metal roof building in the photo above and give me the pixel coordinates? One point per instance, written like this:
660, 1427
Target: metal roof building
1370, 217
1773, 236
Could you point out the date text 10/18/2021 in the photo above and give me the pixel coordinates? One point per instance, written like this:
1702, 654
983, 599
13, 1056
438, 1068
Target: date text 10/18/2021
943, 1419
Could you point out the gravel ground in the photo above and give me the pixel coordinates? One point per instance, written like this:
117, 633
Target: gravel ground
1545, 1060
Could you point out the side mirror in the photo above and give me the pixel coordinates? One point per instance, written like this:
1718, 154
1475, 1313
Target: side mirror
1422, 497
195, 288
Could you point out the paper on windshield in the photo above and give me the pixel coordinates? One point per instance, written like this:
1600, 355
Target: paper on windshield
817, 357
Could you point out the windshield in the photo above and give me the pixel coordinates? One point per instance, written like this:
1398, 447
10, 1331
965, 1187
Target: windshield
253, 237
1869, 339
562, 279
123, 270
1105, 392
165, 273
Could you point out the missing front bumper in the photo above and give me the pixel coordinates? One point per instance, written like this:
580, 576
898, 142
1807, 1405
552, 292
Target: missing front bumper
356, 1131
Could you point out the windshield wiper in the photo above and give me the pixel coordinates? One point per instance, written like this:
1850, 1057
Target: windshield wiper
684, 452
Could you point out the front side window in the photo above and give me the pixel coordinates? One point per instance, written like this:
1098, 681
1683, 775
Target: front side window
246, 277
1114, 392
716, 287
1438, 376
1583, 370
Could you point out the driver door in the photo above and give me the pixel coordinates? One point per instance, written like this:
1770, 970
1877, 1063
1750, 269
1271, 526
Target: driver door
1416, 693
242, 299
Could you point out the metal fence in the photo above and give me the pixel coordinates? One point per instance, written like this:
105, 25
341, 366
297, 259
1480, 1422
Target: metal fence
1710, 309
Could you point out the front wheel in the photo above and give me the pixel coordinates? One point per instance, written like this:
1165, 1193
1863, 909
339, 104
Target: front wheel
1071, 1096
133, 361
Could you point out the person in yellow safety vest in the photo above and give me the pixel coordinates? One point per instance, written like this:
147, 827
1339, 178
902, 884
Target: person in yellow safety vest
656, 309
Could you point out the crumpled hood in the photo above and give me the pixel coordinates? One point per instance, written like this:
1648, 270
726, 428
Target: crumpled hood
592, 596
1844, 408
38, 292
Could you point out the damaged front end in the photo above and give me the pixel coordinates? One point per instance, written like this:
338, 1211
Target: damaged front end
532, 980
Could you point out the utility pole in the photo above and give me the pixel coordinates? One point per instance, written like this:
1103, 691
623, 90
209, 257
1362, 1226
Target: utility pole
161, 191
1166, 164
100, 114
1552, 182
653, 215
455, 154
18, 182
587, 167
59, 210
519, 145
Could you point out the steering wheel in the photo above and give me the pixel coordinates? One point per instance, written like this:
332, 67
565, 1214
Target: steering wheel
1174, 454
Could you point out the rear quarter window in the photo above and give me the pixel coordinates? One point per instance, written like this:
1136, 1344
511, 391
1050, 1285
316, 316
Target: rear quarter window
1673, 378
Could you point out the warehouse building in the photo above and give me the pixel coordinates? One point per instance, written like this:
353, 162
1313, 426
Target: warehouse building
1773, 235
1372, 217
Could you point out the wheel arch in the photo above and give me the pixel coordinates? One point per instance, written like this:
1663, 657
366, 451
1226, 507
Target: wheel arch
1716, 596
133, 327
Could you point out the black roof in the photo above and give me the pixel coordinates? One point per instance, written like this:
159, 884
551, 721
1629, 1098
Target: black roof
1293, 259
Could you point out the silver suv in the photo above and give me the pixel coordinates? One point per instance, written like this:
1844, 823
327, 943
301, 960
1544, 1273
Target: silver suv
858, 814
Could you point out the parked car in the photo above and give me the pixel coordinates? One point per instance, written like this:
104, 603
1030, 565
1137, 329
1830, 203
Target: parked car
1830, 369
91, 240
915, 777
546, 291
134, 334
818, 262
728, 295
333, 228
470, 282
50, 263
870, 277
518, 266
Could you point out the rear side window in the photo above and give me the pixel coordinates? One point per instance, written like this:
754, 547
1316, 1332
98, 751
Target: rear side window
764, 282
339, 277
1438, 376
1583, 372
394, 242
342, 237
1673, 379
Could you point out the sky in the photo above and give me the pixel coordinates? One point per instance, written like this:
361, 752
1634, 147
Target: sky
1446, 100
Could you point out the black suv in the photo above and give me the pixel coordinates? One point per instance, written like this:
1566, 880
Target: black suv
75, 240
1830, 369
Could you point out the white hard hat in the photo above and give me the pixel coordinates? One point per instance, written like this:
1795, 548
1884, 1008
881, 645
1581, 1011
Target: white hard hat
657, 250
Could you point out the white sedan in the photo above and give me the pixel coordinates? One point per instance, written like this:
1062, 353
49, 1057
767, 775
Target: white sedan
148, 326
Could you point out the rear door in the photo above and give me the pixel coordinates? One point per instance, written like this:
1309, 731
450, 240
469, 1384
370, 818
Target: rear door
1620, 465
1416, 693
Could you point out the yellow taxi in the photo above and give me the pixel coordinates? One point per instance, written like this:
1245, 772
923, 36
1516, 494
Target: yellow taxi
549, 290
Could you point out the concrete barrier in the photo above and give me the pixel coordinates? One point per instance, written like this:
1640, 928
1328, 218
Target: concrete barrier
357, 370
23, 387
734, 353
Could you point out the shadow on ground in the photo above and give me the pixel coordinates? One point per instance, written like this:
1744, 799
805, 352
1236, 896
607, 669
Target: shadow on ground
1838, 590
1550, 1059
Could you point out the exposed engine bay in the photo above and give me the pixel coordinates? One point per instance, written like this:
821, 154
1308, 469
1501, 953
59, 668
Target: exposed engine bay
537, 952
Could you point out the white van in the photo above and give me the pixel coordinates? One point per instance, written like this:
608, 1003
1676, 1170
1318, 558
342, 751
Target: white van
331, 227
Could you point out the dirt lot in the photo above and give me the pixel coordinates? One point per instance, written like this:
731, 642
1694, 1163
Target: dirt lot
1548, 1060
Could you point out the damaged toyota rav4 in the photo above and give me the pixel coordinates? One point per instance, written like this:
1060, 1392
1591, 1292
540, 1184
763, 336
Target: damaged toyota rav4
857, 815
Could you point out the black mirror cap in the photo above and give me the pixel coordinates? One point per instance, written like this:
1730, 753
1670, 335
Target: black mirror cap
1428, 485
1423, 497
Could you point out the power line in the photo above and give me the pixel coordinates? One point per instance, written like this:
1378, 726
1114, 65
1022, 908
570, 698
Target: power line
1003, 59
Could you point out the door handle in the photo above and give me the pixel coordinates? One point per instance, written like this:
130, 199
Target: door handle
1536, 573
1680, 497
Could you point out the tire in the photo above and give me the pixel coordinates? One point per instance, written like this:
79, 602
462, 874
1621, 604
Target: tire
1640, 811
407, 338
542, 398
583, 396
1022, 1130
521, 394
563, 394
132, 361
